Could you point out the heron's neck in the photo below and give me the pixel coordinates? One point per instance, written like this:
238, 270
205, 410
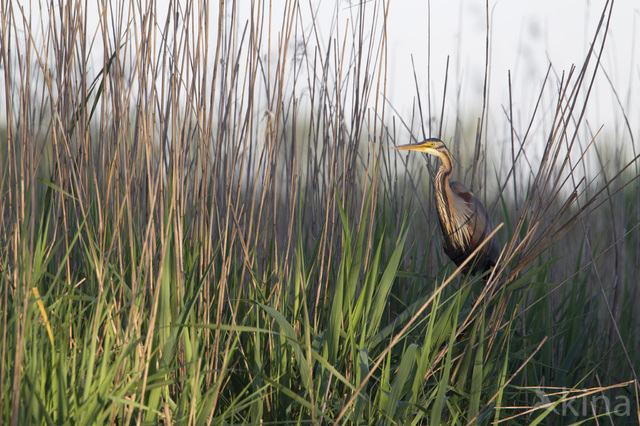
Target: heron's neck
442, 179
441, 182
444, 198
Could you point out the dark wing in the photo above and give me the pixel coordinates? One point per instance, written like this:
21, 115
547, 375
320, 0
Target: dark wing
474, 217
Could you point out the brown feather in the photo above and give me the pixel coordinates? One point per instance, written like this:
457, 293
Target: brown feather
478, 223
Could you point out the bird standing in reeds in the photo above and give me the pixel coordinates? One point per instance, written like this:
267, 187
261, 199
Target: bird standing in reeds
464, 221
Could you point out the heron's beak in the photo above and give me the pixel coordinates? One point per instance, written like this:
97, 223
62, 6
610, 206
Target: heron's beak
420, 146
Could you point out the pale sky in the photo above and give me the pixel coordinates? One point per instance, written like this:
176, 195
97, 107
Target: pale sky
526, 37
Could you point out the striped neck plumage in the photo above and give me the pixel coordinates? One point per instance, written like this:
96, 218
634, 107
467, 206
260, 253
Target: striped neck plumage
449, 220
443, 190
443, 193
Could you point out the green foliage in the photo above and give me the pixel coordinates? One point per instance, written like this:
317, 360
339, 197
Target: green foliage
200, 260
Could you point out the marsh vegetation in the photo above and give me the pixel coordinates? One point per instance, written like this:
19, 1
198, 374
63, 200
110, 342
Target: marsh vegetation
209, 225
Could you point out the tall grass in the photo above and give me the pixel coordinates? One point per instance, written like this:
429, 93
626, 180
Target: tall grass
209, 226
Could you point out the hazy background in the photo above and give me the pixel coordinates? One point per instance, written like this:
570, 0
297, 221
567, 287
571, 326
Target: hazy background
525, 39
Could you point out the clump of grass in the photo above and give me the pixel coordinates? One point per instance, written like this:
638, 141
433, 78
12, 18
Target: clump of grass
203, 233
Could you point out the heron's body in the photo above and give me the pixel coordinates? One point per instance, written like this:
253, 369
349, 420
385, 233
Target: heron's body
464, 222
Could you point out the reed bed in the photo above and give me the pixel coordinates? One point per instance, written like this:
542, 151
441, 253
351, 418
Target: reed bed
208, 225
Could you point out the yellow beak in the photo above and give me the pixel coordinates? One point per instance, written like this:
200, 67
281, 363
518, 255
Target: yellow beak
420, 146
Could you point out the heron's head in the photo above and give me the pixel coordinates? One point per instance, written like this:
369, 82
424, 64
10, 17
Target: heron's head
431, 146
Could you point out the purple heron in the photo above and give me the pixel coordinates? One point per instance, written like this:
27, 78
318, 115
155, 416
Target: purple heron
464, 222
